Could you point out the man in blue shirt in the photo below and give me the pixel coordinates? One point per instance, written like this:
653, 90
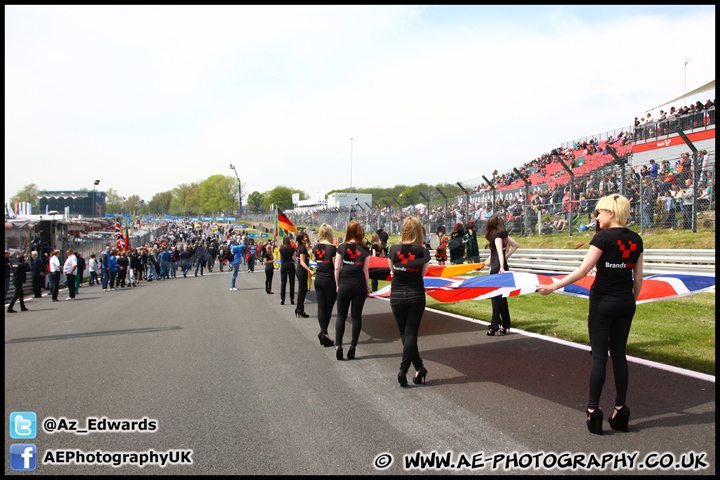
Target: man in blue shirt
237, 256
653, 170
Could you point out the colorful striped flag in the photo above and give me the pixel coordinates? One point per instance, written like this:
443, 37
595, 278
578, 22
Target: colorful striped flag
127, 237
285, 223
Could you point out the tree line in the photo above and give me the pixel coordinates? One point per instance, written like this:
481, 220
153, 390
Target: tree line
218, 194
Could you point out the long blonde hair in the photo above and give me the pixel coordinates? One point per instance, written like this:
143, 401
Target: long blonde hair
325, 234
412, 232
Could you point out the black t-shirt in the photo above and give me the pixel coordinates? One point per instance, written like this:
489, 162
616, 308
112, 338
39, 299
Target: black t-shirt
268, 256
286, 254
353, 256
408, 262
302, 250
376, 250
621, 249
325, 258
494, 258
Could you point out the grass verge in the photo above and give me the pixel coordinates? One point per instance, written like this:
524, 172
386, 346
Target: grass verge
678, 332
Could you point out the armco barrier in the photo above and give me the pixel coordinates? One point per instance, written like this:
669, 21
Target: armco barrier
655, 261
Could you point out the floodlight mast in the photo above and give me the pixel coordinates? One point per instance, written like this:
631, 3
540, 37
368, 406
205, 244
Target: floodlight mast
526, 203
446, 205
427, 209
695, 172
572, 195
467, 200
492, 187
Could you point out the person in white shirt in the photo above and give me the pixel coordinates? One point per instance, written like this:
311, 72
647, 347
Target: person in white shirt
705, 165
69, 270
55, 274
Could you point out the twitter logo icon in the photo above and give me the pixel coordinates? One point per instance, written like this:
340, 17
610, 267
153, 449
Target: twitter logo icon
23, 425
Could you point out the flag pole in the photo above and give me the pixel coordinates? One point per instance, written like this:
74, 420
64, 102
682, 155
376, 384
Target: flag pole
127, 236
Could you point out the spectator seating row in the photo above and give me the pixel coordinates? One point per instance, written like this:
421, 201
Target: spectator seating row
555, 174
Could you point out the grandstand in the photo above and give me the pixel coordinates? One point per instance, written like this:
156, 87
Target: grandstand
656, 140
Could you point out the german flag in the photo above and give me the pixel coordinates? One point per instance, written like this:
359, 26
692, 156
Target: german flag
285, 223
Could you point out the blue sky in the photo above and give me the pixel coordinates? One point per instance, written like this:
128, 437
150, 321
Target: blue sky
145, 98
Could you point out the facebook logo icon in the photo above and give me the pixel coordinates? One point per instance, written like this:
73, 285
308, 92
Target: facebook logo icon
23, 456
23, 425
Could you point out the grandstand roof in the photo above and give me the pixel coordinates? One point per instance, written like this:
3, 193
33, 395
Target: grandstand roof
707, 87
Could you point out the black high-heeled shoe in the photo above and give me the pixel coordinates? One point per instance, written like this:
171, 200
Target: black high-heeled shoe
351, 353
402, 379
594, 421
420, 376
620, 418
303, 315
292, 301
504, 330
490, 332
282, 302
326, 342
338, 353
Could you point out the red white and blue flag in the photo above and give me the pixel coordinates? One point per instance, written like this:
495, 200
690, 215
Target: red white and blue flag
509, 284
120, 242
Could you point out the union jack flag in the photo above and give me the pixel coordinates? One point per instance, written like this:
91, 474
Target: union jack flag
509, 284
120, 242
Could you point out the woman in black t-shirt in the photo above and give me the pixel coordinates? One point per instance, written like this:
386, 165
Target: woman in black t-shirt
409, 263
325, 287
287, 270
303, 271
269, 261
501, 247
352, 275
617, 254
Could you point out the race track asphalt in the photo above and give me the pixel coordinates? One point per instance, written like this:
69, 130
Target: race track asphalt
235, 377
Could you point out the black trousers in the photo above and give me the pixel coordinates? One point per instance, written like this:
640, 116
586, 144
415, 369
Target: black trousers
500, 315
349, 294
302, 277
501, 312
17, 296
326, 292
38, 281
121, 273
268, 276
408, 309
70, 284
609, 326
55, 284
287, 273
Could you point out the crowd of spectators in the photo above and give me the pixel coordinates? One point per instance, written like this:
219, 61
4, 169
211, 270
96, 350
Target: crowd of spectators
696, 115
182, 249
